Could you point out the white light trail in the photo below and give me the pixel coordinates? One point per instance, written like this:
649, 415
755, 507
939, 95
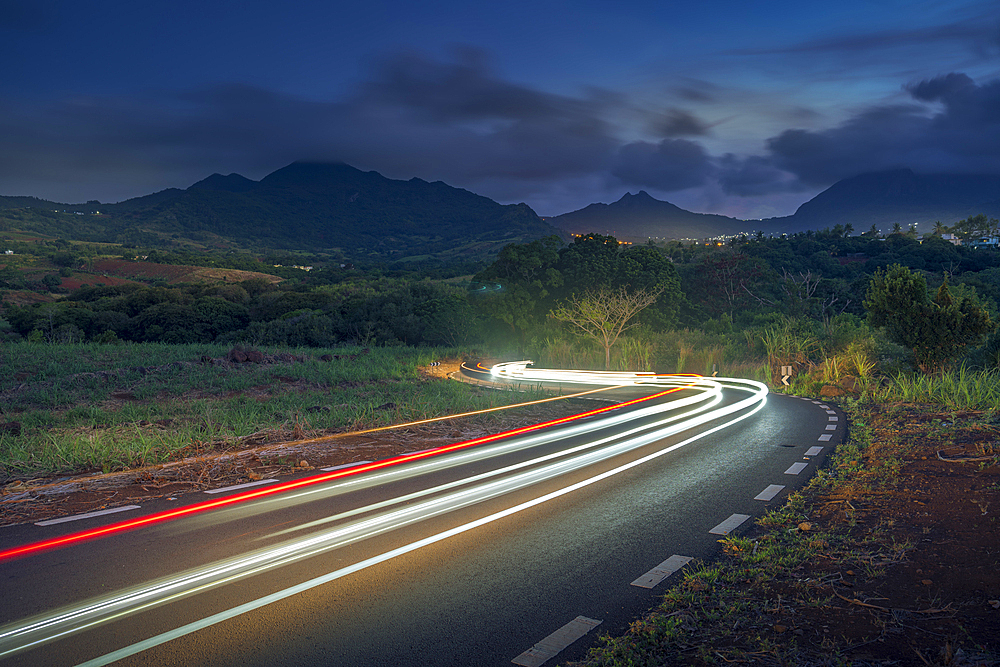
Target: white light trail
654, 423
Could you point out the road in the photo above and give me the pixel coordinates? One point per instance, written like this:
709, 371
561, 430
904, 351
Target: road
471, 556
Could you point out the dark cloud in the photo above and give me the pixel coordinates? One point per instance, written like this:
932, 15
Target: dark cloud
980, 35
672, 164
678, 123
697, 90
449, 120
753, 176
948, 86
962, 135
465, 89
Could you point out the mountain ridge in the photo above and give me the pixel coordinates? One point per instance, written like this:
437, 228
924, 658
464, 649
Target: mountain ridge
316, 206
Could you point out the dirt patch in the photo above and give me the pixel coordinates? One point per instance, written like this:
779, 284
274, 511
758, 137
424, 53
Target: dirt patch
175, 273
890, 557
268, 454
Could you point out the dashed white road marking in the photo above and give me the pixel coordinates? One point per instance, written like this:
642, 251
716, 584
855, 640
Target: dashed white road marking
769, 493
833, 419
556, 642
825, 437
796, 468
88, 515
831, 412
730, 524
831, 427
816, 402
814, 451
344, 465
825, 407
259, 482
662, 571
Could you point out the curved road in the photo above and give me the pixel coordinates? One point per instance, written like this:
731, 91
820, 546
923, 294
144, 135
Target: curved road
446, 558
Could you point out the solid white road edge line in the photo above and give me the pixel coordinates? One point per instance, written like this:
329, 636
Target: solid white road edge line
556, 642
77, 517
662, 571
825, 437
814, 451
344, 465
163, 638
241, 486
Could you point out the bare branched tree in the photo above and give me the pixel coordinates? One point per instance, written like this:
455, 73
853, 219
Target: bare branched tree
605, 313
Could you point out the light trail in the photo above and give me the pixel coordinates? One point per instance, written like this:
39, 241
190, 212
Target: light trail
229, 501
654, 421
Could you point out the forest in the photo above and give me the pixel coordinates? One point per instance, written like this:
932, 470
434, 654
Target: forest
708, 295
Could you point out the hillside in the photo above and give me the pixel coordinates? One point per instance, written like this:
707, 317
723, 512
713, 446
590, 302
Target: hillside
884, 198
879, 198
304, 206
641, 216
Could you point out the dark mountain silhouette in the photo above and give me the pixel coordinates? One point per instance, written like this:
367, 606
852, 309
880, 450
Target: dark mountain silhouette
321, 206
641, 216
899, 195
879, 198
230, 183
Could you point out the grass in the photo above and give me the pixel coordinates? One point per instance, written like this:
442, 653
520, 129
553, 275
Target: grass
742, 607
92, 407
960, 389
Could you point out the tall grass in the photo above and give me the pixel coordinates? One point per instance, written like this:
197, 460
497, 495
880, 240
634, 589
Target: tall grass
960, 389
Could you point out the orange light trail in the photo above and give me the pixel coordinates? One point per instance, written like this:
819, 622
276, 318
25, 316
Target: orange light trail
170, 515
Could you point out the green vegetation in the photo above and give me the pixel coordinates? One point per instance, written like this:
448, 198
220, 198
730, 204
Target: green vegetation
937, 330
111, 407
807, 584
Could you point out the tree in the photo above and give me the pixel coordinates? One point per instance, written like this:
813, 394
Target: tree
975, 227
605, 313
937, 330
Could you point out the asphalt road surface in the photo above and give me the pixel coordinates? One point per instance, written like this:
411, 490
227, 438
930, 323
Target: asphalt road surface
522, 549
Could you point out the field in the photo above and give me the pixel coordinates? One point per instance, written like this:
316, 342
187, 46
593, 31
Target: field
85, 408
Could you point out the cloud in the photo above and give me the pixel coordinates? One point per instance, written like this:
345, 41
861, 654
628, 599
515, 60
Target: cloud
670, 165
961, 134
978, 34
678, 123
441, 120
754, 176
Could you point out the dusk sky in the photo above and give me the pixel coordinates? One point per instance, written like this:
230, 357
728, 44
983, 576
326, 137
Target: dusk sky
735, 107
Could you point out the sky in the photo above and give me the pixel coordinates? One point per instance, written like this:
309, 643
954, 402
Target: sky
741, 108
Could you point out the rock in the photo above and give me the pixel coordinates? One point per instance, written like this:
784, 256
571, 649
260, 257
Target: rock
303, 463
805, 526
237, 355
926, 582
255, 356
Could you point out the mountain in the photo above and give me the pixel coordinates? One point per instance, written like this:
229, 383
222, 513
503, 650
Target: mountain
899, 195
879, 198
230, 183
318, 207
641, 216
